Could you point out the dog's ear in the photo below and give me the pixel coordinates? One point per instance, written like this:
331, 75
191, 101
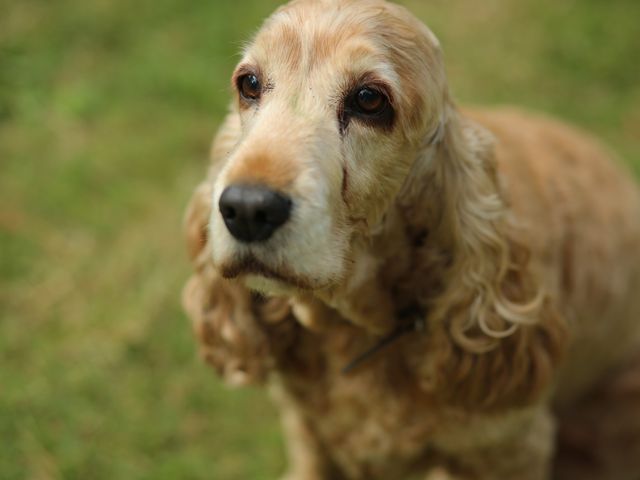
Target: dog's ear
231, 324
499, 335
197, 219
199, 209
217, 308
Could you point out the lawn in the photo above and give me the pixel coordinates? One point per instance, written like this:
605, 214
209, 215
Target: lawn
107, 108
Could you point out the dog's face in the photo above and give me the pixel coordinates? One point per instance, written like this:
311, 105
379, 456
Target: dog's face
335, 99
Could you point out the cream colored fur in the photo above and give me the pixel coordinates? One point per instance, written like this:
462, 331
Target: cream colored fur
515, 239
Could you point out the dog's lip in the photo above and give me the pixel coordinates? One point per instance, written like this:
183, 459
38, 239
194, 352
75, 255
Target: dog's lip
250, 265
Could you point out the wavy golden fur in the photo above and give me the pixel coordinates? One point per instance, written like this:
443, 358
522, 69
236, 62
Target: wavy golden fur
513, 239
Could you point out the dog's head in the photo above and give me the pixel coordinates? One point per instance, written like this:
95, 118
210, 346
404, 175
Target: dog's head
338, 107
335, 99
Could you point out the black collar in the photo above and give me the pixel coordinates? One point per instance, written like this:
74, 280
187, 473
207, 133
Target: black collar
417, 324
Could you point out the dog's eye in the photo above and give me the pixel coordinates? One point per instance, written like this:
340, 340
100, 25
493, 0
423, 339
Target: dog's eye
250, 87
370, 101
369, 105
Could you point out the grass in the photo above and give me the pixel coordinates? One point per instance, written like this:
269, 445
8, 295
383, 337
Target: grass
106, 113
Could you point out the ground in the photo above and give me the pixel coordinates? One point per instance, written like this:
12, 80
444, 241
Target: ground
107, 108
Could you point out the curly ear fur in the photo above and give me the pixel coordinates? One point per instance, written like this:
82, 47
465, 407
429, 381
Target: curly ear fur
496, 337
232, 325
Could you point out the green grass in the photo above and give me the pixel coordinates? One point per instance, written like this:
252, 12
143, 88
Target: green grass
106, 113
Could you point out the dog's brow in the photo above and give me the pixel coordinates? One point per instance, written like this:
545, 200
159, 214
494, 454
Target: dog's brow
384, 121
244, 69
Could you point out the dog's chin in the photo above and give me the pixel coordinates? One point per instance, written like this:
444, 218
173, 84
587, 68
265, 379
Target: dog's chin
260, 276
268, 286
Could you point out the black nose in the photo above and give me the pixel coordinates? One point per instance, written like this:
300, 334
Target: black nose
253, 212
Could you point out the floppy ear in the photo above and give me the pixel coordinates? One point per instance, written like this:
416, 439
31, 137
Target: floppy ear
196, 220
496, 336
231, 324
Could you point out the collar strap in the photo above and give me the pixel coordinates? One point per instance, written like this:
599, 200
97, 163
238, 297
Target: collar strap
417, 325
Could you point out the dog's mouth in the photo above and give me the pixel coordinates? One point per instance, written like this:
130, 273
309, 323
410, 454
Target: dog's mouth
250, 265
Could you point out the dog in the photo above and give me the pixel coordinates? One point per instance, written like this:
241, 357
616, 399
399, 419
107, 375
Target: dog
428, 291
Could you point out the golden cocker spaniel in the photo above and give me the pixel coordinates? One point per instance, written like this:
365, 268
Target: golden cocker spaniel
430, 292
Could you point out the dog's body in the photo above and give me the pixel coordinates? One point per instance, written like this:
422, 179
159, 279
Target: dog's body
513, 241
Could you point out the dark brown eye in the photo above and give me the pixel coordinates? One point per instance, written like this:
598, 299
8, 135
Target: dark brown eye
250, 87
369, 105
370, 101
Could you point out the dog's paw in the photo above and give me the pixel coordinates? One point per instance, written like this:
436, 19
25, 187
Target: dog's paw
440, 474
302, 476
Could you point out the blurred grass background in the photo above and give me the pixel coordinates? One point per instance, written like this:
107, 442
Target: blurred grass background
107, 108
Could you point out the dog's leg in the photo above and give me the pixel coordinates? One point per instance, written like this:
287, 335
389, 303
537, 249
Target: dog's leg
440, 474
599, 438
524, 453
307, 458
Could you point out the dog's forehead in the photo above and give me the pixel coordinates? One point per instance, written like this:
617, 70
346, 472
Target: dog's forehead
322, 47
307, 36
